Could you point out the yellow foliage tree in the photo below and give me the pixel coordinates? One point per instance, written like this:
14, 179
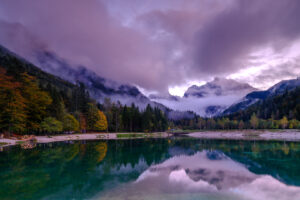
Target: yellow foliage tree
101, 148
101, 124
284, 122
254, 121
12, 104
96, 120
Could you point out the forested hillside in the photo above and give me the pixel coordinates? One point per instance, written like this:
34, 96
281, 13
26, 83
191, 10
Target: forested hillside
285, 105
28, 106
35, 102
281, 111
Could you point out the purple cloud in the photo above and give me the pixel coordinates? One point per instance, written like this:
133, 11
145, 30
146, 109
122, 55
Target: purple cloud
224, 43
153, 45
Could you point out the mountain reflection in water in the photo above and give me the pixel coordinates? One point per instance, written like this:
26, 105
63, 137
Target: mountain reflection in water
178, 168
213, 172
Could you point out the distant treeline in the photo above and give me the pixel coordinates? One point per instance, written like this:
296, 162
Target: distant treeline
226, 123
130, 119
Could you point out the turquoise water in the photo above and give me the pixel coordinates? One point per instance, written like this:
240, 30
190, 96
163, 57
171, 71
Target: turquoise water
177, 168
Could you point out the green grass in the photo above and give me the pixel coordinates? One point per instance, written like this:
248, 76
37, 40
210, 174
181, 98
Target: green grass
134, 135
138, 135
3, 143
20, 142
129, 135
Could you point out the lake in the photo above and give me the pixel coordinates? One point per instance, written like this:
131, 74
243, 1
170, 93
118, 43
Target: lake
144, 169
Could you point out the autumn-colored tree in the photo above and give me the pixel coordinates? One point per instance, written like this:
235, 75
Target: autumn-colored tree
101, 149
254, 121
101, 124
70, 123
293, 123
284, 122
51, 125
12, 117
36, 102
96, 120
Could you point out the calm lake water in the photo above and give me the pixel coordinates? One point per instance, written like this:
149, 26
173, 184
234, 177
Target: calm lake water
146, 169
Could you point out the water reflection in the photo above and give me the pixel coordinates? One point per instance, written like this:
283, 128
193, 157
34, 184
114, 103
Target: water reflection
210, 173
178, 168
28, 145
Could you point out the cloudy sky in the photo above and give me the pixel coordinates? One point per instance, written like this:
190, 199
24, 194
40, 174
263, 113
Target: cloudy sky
162, 45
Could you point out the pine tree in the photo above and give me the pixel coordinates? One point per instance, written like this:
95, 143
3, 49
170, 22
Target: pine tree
92, 116
82, 123
57, 107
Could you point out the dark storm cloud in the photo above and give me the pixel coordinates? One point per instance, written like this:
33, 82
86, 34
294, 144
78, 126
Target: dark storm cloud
154, 44
224, 43
85, 33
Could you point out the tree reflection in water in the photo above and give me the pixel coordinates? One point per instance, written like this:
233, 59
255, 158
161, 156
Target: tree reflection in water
87, 169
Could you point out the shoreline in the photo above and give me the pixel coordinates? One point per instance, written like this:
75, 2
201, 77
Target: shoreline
264, 135
85, 136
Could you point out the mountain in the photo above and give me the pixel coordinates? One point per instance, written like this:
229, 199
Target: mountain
16, 64
210, 99
19, 40
278, 104
99, 87
219, 87
256, 96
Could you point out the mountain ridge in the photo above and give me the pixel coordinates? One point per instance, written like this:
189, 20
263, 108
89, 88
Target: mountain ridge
218, 87
210, 99
256, 96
